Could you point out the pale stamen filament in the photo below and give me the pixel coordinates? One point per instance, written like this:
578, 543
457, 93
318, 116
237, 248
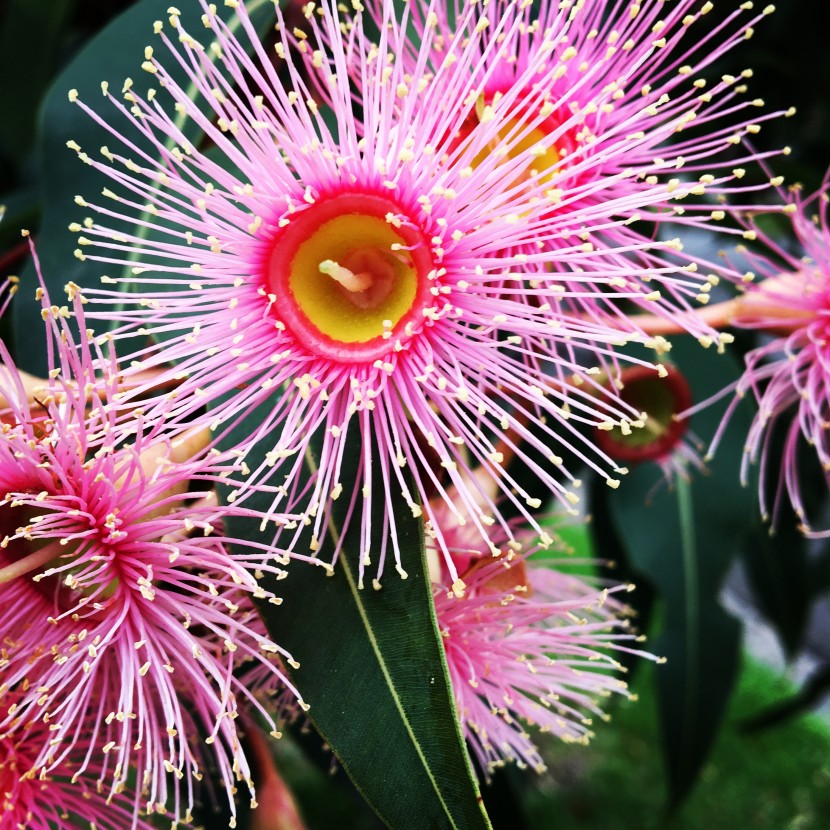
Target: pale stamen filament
33, 561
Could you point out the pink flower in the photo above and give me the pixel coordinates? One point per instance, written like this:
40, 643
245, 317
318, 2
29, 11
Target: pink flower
122, 612
68, 797
788, 374
342, 286
528, 647
603, 122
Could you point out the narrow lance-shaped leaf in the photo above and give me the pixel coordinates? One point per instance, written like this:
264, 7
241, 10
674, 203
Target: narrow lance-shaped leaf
699, 640
777, 568
683, 537
373, 670
111, 57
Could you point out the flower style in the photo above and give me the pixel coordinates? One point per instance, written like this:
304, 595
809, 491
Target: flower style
63, 798
602, 117
121, 605
527, 645
788, 375
340, 288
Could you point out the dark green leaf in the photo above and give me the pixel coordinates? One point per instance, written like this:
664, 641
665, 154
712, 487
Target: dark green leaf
113, 55
29, 39
373, 670
609, 548
691, 720
683, 539
699, 640
323, 792
503, 798
21, 209
819, 571
777, 570
776, 558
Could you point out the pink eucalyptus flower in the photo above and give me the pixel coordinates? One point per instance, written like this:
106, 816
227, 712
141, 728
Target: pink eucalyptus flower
68, 796
528, 647
124, 617
602, 119
341, 284
788, 375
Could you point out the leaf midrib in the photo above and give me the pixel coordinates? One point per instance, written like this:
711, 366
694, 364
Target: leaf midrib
691, 589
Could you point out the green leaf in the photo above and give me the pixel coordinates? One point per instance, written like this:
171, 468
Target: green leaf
29, 49
610, 548
818, 570
113, 55
704, 641
776, 557
321, 789
372, 668
18, 210
777, 568
683, 538
699, 640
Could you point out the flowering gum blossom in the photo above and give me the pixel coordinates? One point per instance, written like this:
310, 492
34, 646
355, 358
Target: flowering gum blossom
663, 398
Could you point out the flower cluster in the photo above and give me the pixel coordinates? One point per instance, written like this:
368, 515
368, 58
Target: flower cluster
472, 224
427, 233
125, 618
603, 122
528, 644
787, 375
68, 795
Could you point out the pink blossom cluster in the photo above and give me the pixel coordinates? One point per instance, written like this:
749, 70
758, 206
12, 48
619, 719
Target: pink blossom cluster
444, 278
416, 246
530, 643
126, 620
787, 376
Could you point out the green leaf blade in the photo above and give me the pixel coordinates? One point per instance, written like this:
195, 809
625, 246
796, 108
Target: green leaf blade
373, 669
699, 640
683, 539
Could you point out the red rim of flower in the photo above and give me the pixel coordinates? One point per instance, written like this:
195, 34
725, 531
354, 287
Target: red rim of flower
643, 389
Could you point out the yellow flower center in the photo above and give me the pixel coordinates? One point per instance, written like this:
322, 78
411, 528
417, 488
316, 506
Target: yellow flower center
545, 158
346, 273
